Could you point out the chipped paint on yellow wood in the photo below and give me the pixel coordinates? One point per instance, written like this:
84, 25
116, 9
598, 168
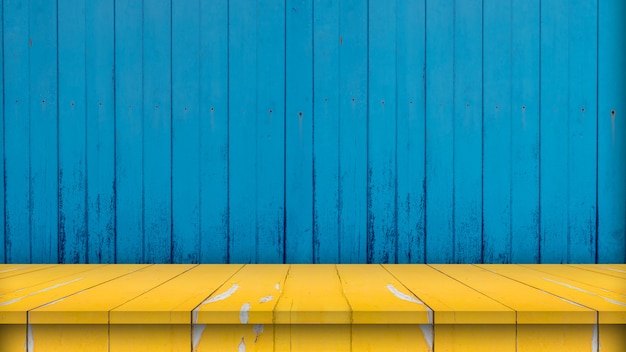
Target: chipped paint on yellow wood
172, 302
9, 270
312, 294
612, 338
150, 338
20, 282
376, 297
475, 337
68, 338
12, 337
13, 306
599, 280
451, 301
390, 337
533, 306
313, 337
92, 306
248, 297
611, 306
236, 337
556, 337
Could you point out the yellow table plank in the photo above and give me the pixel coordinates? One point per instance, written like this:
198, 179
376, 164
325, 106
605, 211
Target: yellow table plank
532, 306
612, 338
475, 337
173, 301
557, 337
68, 338
376, 297
7, 270
607, 269
20, 282
149, 337
600, 280
312, 294
611, 306
465, 306
12, 337
92, 306
13, 306
313, 302
240, 312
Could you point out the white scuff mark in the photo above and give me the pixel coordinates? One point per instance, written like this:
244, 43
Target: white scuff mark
37, 292
588, 292
31, 339
258, 330
243, 313
266, 299
613, 269
427, 331
405, 297
594, 339
222, 296
196, 334
242, 346
277, 286
9, 270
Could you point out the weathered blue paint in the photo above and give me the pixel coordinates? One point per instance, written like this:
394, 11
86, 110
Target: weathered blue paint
307, 131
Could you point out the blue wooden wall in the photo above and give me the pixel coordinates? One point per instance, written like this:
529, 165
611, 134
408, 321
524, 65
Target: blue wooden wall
326, 131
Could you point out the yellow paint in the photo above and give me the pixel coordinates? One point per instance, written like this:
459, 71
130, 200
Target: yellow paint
229, 337
9, 270
550, 338
610, 306
612, 338
251, 294
92, 306
12, 337
451, 301
576, 274
69, 338
312, 294
172, 302
150, 338
607, 269
389, 337
33, 278
475, 337
313, 337
533, 306
13, 306
376, 297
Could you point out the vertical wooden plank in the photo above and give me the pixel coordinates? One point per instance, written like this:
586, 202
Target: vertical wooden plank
214, 93
16, 132
439, 131
524, 131
467, 150
73, 245
583, 79
2, 189
242, 128
299, 132
410, 61
157, 148
382, 231
100, 109
353, 131
129, 240
186, 132
270, 134
611, 188
497, 132
326, 43
43, 131
554, 132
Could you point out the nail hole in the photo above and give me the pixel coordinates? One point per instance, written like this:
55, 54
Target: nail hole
612, 112
497, 107
411, 102
156, 107
100, 104
43, 101
72, 103
523, 107
467, 105
212, 108
353, 99
300, 114
382, 102
16, 101
325, 99
583, 109
270, 111
185, 108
